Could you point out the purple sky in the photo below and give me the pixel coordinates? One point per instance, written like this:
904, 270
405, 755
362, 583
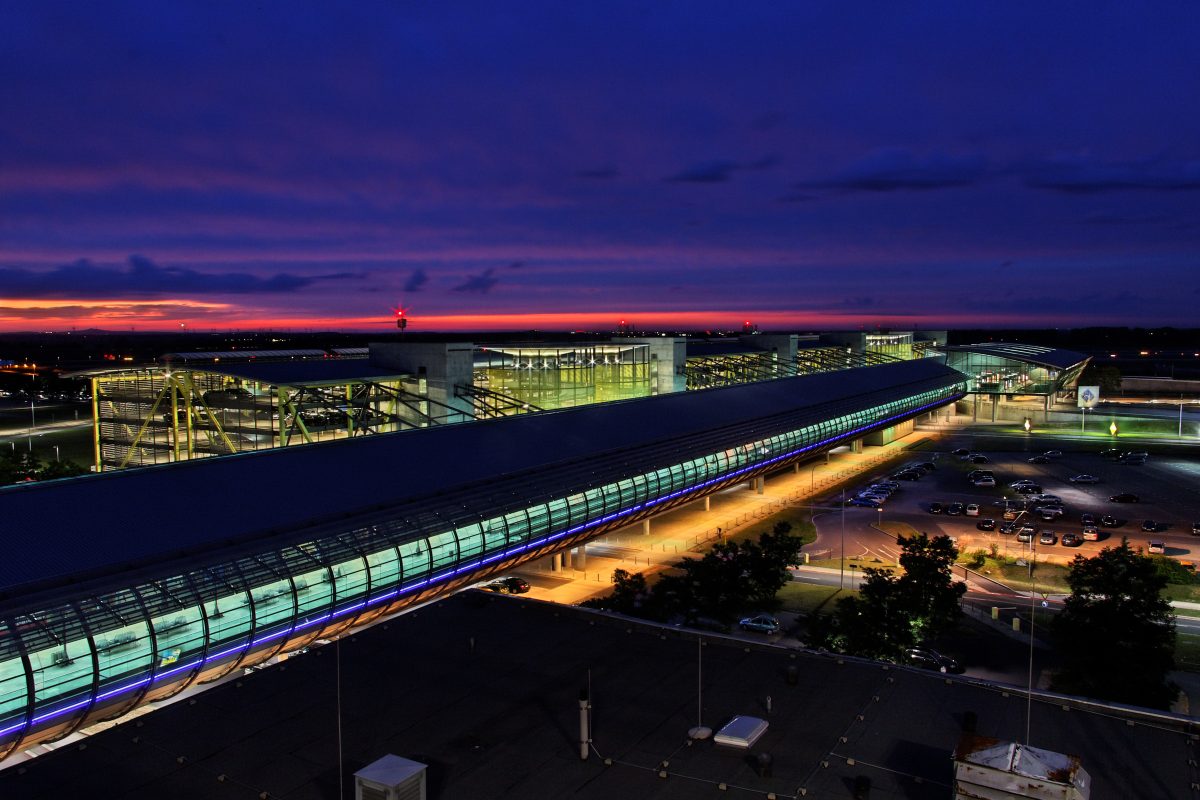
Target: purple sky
569, 164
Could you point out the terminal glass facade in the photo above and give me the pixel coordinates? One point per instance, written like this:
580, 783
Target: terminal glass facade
562, 377
99, 656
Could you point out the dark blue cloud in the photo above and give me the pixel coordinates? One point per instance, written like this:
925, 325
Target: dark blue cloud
895, 168
143, 277
1083, 175
415, 281
478, 284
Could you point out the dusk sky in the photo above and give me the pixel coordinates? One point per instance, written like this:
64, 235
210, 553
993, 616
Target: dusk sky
566, 165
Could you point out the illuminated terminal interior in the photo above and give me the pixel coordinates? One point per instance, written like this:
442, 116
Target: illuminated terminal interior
197, 405
141, 596
1013, 380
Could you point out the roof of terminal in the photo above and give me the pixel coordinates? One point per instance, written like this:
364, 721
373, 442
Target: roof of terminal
1032, 353
303, 373
98, 524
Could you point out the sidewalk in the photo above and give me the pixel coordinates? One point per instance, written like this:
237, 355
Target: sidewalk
687, 530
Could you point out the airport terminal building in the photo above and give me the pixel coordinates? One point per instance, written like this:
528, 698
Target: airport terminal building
129, 586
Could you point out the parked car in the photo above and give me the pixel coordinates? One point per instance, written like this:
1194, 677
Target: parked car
1090, 533
928, 658
1157, 547
1109, 521
864, 502
979, 458
1049, 513
1053, 454
1047, 538
955, 509
1038, 460
987, 481
1150, 526
1010, 513
1071, 540
1136, 460
510, 585
1008, 528
1196, 529
1087, 519
1047, 499
960, 451
1085, 478
761, 623
972, 510
976, 474
1025, 535
928, 466
986, 524
1124, 497
1021, 482
936, 508
1110, 452
1028, 488
907, 475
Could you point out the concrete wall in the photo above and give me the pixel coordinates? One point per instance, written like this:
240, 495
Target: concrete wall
670, 355
444, 365
890, 434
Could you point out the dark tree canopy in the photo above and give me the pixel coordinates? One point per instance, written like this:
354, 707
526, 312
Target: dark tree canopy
1116, 633
895, 612
730, 579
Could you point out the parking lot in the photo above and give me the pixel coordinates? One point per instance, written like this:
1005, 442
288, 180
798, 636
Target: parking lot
1167, 486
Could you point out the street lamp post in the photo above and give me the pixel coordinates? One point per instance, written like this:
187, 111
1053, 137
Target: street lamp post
842, 558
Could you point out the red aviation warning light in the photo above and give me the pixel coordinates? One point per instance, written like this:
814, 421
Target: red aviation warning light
401, 318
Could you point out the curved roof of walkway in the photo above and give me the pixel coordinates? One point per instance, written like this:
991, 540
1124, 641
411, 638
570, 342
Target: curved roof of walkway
1050, 357
101, 525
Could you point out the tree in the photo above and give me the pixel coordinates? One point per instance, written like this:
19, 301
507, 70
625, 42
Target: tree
732, 577
1116, 633
895, 612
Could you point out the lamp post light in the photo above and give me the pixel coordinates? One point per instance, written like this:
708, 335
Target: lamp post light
1028, 425
1112, 428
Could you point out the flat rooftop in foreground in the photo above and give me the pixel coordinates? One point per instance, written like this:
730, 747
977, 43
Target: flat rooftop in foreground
484, 689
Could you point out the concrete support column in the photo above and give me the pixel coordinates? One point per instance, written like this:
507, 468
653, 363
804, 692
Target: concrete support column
567, 561
856, 446
828, 456
1046, 413
995, 404
581, 557
646, 526
762, 484
796, 468
556, 562
708, 502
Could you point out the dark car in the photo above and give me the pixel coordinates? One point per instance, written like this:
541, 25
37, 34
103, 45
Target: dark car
955, 509
928, 466
907, 475
864, 502
986, 524
1038, 460
1087, 519
979, 459
960, 451
1124, 497
928, 658
1196, 529
1109, 521
1028, 488
936, 508
1071, 540
1111, 452
509, 585
1150, 526
1053, 454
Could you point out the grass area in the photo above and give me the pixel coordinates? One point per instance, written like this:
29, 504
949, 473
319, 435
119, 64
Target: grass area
898, 528
799, 518
1187, 592
1187, 652
1047, 577
806, 598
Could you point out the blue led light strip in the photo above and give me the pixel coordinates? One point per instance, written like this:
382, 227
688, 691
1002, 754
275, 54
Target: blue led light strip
139, 682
